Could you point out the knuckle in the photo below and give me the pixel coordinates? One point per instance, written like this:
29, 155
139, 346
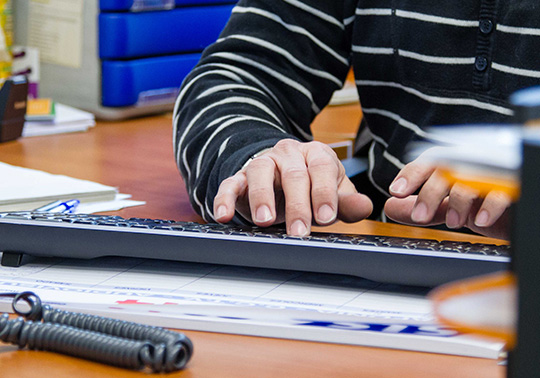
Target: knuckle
499, 197
222, 195
231, 180
461, 194
228, 183
419, 171
324, 191
260, 192
260, 162
414, 168
319, 146
286, 145
231, 185
296, 207
294, 174
322, 151
323, 162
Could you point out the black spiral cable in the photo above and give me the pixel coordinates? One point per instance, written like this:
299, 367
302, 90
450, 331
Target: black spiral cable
111, 341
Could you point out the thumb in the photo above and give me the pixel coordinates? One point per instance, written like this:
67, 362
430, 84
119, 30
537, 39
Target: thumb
352, 206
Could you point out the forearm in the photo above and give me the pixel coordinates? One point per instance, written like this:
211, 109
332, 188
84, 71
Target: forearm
253, 88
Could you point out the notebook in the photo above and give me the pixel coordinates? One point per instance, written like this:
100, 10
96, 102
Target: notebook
27, 189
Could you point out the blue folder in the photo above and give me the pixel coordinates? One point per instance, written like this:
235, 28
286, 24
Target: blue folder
132, 35
126, 5
144, 81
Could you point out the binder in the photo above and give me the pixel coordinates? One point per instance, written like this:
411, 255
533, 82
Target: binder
148, 80
139, 34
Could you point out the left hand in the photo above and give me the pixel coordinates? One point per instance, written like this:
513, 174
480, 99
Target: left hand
440, 202
293, 182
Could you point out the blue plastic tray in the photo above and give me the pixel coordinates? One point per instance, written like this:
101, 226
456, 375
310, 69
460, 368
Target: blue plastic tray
142, 5
133, 35
147, 81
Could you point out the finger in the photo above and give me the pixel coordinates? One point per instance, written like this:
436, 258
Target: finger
325, 171
261, 173
460, 205
410, 178
352, 206
432, 194
400, 210
492, 208
500, 229
296, 185
228, 193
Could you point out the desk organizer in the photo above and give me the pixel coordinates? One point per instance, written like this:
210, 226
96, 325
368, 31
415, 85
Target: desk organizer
135, 54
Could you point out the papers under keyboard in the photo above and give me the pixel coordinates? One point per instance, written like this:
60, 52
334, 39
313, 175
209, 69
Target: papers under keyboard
380, 258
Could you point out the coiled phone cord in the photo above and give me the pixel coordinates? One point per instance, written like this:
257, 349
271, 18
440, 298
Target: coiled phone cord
111, 341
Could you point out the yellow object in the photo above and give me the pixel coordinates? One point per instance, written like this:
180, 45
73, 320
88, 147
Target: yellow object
40, 107
6, 39
483, 183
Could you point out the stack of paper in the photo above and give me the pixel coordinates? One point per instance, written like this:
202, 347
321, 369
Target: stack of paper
248, 301
346, 95
66, 120
28, 189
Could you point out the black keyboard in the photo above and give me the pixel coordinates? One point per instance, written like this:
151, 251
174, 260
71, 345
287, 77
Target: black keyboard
380, 258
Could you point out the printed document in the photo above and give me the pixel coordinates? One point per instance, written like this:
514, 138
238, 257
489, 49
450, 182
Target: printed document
240, 300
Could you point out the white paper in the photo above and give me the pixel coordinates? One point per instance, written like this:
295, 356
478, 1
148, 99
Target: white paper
120, 202
55, 27
67, 120
251, 301
27, 189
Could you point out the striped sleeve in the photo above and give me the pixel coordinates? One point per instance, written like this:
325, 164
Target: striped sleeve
419, 64
275, 65
416, 65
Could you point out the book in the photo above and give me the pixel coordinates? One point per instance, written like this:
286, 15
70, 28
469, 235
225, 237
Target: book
65, 119
40, 109
24, 189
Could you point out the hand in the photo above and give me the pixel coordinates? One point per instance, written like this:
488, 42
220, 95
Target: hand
285, 183
440, 202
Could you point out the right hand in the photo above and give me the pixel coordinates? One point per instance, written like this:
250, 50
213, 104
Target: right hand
285, 183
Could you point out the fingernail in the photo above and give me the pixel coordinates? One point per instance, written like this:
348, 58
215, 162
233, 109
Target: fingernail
452, 218
298, 228
325, 214
419, 213
221, 212
399, 185
263, 214
482, 218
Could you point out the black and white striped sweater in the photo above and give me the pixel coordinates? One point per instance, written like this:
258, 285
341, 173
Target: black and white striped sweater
417, 63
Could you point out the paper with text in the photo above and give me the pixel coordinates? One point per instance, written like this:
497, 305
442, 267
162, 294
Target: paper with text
251, 301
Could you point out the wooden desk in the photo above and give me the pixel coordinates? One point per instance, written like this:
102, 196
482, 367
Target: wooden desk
136, 156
